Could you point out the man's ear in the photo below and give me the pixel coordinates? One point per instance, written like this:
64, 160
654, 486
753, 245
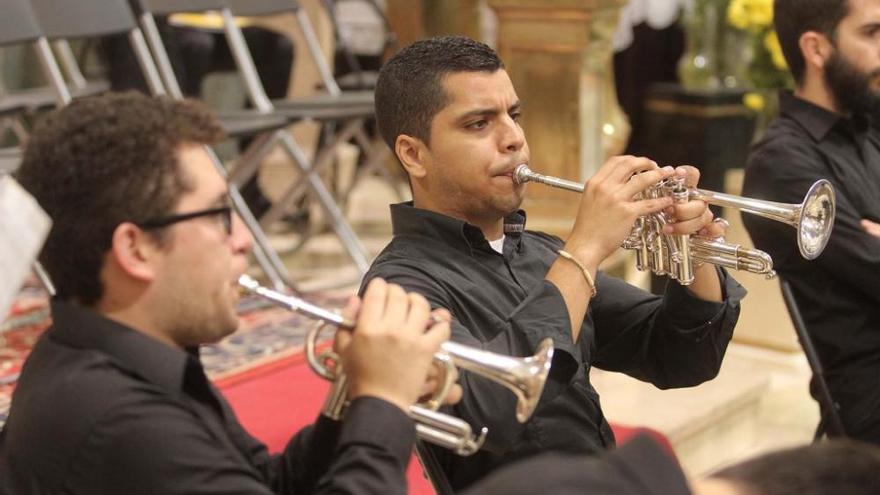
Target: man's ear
411, 152
134, 251
816, 49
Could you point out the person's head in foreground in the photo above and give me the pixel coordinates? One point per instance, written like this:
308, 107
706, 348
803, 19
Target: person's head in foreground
143, 232
836, 467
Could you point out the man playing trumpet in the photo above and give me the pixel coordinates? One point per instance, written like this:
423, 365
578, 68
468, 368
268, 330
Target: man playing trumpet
145, 254
447, 108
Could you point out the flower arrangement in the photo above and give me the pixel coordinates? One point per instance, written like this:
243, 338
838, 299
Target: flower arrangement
766, 68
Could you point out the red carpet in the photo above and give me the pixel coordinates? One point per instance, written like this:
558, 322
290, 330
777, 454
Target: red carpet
275, 400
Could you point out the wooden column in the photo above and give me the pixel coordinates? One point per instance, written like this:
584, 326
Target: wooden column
416, 19
558, 54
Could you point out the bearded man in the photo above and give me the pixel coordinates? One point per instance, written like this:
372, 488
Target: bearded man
827, 129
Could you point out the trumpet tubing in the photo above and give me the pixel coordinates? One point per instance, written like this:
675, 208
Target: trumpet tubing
431, 426
675, 255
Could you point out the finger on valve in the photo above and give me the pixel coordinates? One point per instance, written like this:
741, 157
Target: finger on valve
387, 357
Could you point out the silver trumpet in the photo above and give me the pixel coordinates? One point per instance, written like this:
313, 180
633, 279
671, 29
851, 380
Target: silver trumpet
675, 255
525, 377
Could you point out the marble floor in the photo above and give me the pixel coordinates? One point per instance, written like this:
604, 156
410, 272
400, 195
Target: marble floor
759, 401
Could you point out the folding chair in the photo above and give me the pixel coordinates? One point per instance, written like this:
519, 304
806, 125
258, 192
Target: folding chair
355, 76
830, 424
19, 25
61, 20
355, 101
250, 161
16, 104
9, 160
335, 95
10, 111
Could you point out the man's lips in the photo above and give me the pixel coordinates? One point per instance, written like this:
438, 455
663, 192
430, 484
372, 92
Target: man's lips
508, 171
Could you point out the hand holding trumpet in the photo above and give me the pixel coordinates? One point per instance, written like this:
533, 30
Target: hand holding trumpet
665, 246
392, 365
609, 206
389, 355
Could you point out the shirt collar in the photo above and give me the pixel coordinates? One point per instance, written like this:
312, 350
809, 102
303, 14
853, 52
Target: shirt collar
818, 121
815, 119
84, 328
406, 219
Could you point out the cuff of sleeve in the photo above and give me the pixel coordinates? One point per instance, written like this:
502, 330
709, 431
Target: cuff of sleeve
690, 313
541, 315
327, 429
373, 421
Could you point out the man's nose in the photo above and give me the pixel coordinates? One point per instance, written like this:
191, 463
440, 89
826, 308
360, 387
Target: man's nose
513, 137
241, 239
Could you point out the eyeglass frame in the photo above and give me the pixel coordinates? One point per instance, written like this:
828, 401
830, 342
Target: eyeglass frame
225, 213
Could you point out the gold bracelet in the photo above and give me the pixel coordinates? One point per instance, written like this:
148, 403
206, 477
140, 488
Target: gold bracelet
589, 278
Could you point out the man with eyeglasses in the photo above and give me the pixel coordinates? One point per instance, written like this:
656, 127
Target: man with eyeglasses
145, 253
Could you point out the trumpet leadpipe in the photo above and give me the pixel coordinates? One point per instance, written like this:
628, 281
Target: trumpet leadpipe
522, 174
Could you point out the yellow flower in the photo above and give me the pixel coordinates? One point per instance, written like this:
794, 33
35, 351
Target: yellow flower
760, 13
771, 42
753, 15
754, 101
737, 14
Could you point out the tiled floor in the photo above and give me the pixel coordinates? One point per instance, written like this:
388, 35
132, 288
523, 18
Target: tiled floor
759, 401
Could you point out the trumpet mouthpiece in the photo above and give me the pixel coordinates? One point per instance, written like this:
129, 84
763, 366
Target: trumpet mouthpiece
521, 173
247, 282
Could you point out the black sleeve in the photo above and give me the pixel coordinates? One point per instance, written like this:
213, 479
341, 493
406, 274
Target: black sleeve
374, 449
156, 446
676, 340
541, 314
784, 173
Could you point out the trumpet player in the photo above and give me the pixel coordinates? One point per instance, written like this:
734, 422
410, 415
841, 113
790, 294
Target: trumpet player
448, 110
827, 128
145, 253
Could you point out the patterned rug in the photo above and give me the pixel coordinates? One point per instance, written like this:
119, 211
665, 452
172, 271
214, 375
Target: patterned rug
266, 334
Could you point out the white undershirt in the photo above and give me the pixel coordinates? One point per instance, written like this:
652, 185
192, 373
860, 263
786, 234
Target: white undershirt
498, 244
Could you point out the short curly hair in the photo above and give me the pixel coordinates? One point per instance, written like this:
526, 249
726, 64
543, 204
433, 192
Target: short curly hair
102, 161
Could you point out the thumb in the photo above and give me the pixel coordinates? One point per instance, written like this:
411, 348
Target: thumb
352, 307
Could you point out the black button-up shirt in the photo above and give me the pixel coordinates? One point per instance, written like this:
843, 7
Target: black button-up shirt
502, 303
838, 293
103, 409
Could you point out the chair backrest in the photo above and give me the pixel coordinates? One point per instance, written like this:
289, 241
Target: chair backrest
163, 7
831, 423
257, 8
262, 7
83, 18
18, 24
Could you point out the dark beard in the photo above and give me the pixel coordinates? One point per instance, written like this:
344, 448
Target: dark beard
851, 88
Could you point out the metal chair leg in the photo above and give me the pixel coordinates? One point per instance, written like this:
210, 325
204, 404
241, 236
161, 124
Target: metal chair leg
830, 424
350, 241
43, 276
266, 257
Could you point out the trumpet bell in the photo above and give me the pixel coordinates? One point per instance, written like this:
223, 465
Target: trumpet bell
530, 384
816, 219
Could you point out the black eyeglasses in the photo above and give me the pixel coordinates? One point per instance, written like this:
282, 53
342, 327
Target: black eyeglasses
225, 213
